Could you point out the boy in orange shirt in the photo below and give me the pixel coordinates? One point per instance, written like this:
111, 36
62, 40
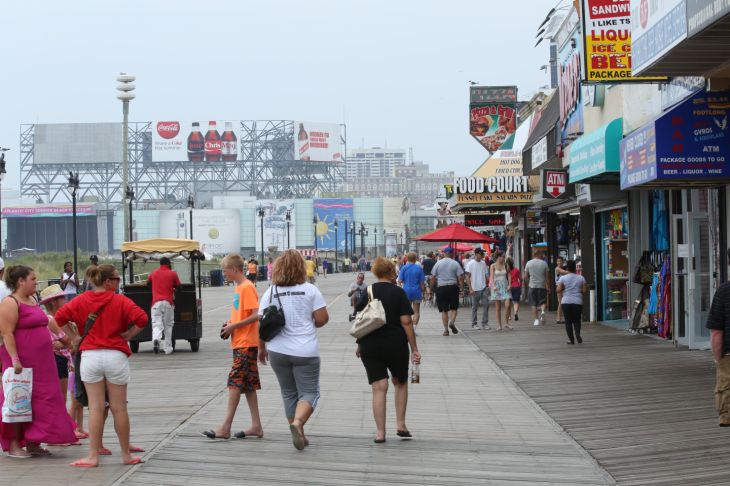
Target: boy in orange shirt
243, 329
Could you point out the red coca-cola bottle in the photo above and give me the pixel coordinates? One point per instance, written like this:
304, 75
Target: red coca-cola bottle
230, 143
212, 144
196, 144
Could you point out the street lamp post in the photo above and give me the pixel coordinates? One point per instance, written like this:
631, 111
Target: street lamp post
126, 94
261, 217
375, 234
402, 244
347, 232
314, 225
73, 186
191, 205
288, 222
336, 225
129, 193
352, 240
2, 176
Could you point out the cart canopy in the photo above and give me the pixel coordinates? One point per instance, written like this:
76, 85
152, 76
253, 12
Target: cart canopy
157, 248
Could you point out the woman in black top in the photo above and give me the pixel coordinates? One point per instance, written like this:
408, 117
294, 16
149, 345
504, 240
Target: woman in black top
386, 349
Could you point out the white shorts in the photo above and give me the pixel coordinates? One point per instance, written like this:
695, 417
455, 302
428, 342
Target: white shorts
109, 364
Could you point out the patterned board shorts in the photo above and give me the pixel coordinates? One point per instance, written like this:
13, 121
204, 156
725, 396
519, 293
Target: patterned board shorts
244, 373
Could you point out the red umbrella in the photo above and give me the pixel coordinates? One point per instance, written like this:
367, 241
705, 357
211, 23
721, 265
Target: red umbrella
458, 247
454, 233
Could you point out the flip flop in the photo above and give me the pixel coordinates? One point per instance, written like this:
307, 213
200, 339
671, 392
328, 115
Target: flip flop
212, 436
404, 434
17, 456
103, 451
40, 452
297, 438
242, 435
81, 435
135, 449
81, 463
378, 441
134, 461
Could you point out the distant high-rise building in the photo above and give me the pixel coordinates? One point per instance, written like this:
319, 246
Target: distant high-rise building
374, 162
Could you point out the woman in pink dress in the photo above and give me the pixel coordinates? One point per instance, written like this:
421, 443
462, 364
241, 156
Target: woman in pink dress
24, 327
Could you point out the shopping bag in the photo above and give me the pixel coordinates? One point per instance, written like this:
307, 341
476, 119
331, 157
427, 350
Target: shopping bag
18, 390
371, 318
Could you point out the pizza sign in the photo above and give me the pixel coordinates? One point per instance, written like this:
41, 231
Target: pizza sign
555, 183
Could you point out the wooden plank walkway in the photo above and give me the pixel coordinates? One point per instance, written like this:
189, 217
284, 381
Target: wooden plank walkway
471, 423
643, 408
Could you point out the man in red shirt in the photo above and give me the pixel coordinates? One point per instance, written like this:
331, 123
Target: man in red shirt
163, 281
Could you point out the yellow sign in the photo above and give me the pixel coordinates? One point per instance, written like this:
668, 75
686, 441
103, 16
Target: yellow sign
607, 42
495, 198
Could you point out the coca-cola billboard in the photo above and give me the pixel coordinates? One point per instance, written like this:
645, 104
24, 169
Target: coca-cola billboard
319, 142
195, 141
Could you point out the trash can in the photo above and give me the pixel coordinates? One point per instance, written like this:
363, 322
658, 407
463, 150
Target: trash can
216, 278
263, 271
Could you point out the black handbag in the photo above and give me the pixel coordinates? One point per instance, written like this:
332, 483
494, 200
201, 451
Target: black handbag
79, 388
272, 320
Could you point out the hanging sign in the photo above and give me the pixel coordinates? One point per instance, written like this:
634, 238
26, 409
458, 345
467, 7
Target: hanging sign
555, 184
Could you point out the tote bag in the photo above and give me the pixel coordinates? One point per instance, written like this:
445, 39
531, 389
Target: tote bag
369, 319
18, 391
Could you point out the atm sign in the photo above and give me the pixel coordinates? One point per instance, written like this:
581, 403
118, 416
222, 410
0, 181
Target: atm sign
555, 182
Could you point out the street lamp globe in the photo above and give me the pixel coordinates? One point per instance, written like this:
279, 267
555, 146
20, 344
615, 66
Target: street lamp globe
125, 87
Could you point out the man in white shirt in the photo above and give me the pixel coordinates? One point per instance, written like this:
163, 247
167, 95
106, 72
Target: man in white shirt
4, 291
477, 275
537, 276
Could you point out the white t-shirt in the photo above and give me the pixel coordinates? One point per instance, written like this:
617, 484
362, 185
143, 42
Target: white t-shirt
299, 336
478, 272
4, 290
70, 288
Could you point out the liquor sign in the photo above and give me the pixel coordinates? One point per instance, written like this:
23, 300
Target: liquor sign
197, 141
493, 116
476, 220
320, 142
607, 42
569, 76
656, 27
689, 143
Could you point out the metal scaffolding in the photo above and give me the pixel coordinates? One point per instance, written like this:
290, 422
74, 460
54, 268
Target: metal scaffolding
267, 169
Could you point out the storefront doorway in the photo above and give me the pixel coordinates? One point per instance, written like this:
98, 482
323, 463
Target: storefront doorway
692, 260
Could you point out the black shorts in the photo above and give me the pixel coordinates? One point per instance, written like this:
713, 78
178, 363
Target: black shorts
447, 297
380, 359
251, 277
62, 366
516, 293
536, 296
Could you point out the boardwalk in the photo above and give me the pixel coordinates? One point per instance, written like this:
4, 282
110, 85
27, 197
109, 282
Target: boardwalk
641, 407
471, 424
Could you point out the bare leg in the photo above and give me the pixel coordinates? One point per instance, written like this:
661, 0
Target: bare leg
118, 405
96, 393
234, 397
380, 388
416, 312
516, 304
401, 402
76, 411
498, 309
64, 388
301, 415
15, 448
253, 406
445, 320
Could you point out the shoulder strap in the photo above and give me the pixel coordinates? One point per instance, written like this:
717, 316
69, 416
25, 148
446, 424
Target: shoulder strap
370, 293
278, 298
90, 321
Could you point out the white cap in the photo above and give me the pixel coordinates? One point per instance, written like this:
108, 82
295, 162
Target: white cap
2, 264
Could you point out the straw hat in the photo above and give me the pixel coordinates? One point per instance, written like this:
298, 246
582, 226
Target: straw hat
51, 292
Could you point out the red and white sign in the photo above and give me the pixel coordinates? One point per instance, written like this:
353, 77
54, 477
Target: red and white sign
195, 141
168, 130
320, 142
555, 182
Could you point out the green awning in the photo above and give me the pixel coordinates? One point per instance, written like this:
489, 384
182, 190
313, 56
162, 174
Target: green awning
597, 153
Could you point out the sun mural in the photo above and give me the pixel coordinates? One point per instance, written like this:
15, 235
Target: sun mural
325, 229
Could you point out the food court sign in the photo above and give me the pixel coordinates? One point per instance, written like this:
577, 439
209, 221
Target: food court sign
494, 190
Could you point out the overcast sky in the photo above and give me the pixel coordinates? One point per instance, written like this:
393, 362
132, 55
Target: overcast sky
392, 70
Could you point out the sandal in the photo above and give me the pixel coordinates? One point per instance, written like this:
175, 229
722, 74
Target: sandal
378, 441
212, 435
20, 455
135, 449
446, 333
404, 434
82, 463
297, 437
103, 451
133, 461
40, 452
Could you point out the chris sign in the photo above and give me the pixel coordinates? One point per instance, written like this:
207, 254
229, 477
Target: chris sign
481, 185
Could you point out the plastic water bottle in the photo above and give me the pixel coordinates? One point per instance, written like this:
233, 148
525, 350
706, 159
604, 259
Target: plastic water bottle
416, 373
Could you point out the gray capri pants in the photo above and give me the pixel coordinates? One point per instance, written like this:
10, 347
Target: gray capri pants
298, 379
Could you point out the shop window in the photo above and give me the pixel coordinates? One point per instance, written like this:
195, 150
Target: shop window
615, 264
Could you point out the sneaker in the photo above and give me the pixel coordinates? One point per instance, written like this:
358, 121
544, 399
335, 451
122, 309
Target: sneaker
169, 351
474, 326
536, 323
486, 328
156, 346
517, 318
453, 328
542, 318
351, 317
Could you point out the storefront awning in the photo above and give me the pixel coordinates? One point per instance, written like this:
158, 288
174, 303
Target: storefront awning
539, 150
688, 145
595, 157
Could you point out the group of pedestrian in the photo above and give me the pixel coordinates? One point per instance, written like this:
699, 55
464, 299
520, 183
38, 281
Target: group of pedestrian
95, 325
293, 353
